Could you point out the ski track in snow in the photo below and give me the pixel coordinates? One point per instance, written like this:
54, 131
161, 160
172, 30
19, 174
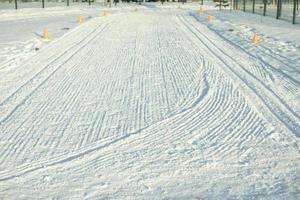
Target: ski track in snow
148, 104
268, 97
278, 72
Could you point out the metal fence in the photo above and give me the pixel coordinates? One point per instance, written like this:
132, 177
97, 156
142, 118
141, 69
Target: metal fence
18, 4
280, 9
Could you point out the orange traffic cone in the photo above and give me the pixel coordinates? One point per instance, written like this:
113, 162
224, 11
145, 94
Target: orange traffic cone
45, 34
254, 39
209, 18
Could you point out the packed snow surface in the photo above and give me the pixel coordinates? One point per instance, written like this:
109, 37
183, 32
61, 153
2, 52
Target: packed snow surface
154, 103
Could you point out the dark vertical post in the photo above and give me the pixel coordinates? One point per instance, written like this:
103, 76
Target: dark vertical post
201, 2
294, 12
278, 9
265, 7
43, 3
68, 2
244, 5
89, 2
16, 4
219, 4
253, 6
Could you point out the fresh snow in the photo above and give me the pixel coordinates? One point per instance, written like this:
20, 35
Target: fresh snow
157, 103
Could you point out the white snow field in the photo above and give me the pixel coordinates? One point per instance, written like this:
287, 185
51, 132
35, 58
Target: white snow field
154, 104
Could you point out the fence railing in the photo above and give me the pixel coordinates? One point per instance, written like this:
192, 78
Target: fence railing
280, 9
18, 4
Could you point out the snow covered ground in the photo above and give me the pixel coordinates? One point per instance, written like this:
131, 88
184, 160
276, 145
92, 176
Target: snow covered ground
157, 103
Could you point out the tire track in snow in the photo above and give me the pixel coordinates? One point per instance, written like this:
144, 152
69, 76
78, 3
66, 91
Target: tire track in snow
153, 136
13, 146
35, 79
54, 141
278, 74
211, 122
67, 109
275, 105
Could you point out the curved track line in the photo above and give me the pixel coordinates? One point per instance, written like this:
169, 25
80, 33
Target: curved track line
253, 84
